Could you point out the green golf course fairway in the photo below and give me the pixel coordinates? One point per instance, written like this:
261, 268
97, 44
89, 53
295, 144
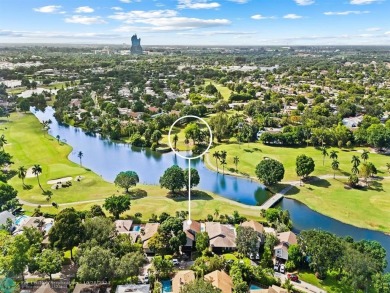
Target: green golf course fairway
29, 145
366, 207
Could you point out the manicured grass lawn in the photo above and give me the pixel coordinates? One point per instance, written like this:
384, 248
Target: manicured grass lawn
225, 91
251, 154
330, 284
28, 146
367, 207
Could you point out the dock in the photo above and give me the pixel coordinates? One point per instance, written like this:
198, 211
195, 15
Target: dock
275, 198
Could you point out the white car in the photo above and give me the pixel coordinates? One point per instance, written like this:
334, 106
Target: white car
282, 268
175, 261
146, 279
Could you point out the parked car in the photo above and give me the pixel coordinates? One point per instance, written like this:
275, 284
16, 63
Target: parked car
175, 261
146, 279
257, 256
293, 277
276, 267
282, 268
251, 256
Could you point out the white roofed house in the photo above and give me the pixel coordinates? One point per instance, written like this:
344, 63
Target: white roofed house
285, 240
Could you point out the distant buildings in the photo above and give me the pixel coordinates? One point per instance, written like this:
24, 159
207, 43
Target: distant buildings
136, 45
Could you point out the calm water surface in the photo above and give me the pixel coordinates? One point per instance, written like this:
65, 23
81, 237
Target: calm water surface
107, 159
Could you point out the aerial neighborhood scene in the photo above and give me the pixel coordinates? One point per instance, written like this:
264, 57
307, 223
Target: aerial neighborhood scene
194, 146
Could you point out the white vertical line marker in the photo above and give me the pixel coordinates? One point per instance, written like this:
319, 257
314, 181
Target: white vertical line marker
189, 192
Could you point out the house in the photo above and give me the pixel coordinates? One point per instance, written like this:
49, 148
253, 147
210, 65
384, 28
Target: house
222, 237
220, 280
285, 240
45, 288
92, 288
181, 278
4, 216
133, 289
257, 227
191, 231
147, 232
273, 289
123, 226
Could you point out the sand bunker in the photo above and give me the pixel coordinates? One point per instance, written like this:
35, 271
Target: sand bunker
60, 180
29, 173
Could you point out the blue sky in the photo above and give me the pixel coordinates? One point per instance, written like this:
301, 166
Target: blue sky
192, 22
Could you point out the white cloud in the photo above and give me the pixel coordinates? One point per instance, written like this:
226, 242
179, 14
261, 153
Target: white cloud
125, 1
346, 12
84, 9
49, 9
260, 17
117, 8
387, 33
304, 2
240, 1
373, 29
133, 16
197, 4
292, 16
363, 2
87, 20
214, 33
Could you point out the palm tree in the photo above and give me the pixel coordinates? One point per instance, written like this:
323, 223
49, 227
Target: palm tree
216, 213
364, 155
80, 155
355, 161
3, 141
236, 159
335, 166
324, 154
217, 156
355, 169
58, 138
333, 155
175, 140
223, 163
288, 286
22, 172
37, 170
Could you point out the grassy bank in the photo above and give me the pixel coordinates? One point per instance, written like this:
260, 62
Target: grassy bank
28, 145
366, 207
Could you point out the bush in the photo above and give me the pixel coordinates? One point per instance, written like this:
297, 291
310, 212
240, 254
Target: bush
154, 146
353, 181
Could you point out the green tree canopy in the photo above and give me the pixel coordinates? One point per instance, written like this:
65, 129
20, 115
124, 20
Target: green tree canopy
50, 262
195, 179
304, 166
247, 240
270, 171
126, 180
173, 178
117, 205
199, 286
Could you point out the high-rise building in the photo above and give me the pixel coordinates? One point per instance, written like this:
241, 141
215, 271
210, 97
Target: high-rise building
135, 45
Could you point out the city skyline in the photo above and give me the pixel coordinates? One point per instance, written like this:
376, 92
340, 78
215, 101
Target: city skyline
197, 22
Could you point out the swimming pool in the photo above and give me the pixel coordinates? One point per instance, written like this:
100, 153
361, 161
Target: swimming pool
166, 286
136, 228
255, 287
20, 219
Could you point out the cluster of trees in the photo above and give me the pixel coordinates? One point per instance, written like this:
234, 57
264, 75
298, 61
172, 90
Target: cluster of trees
175, 178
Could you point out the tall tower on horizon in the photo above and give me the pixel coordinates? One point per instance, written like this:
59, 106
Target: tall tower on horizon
136, 45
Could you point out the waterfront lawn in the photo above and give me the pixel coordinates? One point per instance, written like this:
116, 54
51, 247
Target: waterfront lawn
29, 145
251, 154
365, 207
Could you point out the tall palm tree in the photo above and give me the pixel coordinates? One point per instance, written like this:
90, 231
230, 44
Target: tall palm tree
364, 155
236, 159
333, 155
175, 140
335, 166
355, 161
217, 156
324, 153
22, 172
216, 213
223, 163
355, 169
37, 170
3, 141
80, 155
